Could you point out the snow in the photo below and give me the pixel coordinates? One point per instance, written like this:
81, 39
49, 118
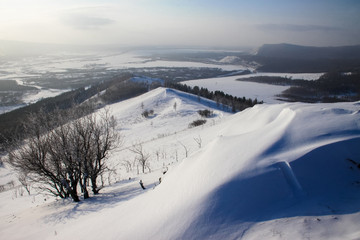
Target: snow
229, 59
229, 85
43, 93
264, 92
274, 171
301, 76
34, 96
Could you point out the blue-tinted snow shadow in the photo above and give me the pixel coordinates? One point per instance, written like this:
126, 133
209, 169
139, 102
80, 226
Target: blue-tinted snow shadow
70, 209
330, 183
206, 102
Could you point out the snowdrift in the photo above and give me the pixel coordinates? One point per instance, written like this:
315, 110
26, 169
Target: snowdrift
267, 164
284, 171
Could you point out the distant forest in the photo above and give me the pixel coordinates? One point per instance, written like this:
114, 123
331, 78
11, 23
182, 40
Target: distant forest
226, 100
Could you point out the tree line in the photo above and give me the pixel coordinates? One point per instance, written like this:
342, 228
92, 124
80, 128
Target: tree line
331, 87
221, 98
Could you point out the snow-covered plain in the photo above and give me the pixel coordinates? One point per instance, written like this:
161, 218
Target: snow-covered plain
34, 66
229, 85
263, 92
279, 171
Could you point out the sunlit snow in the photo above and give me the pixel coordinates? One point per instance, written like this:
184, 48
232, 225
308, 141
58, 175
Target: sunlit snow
276, 171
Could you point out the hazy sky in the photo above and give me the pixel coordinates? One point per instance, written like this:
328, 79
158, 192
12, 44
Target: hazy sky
182, 22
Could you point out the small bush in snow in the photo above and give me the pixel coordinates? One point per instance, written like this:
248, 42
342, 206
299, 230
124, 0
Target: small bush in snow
147, 113
197, 123
205, 113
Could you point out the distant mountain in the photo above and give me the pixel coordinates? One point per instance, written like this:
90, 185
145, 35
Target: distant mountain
295, 59
308, 53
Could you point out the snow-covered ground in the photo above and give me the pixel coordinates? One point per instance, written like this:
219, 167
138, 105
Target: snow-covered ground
62, 62
229, 85
302, 76
264, 92
274, 171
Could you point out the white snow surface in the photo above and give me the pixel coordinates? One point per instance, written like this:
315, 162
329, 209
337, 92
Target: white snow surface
229, 85
279, 171
261, 91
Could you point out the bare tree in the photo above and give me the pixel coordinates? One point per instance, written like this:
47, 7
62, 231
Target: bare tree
94, 136
23, 179
127, 165
157, 153
105, 138
185, 148
142, 157
33, 157
59, 155
198, 141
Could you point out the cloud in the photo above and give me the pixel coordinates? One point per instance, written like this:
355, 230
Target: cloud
296, 28
85, 22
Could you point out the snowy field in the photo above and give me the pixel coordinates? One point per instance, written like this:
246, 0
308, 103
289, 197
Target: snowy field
274, 171
229, 85
263, 92
62, 62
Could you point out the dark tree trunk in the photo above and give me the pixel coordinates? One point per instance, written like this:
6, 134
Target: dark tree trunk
73, 189
84, 189
94, 186
74, 196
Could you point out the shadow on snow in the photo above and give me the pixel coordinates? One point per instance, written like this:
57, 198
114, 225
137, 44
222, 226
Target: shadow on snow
109, 199
331, 185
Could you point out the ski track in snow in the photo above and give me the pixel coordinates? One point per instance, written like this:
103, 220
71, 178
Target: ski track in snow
291, 178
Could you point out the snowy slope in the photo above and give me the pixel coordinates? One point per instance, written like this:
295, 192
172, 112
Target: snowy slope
279, 171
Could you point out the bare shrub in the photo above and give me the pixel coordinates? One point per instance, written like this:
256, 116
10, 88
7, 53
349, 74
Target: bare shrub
205, 113
196, 123
142, 157
147, 113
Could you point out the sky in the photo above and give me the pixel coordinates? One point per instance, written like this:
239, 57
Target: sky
211, 23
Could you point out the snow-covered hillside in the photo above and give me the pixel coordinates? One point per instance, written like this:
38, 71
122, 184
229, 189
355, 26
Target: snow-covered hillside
280, 171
